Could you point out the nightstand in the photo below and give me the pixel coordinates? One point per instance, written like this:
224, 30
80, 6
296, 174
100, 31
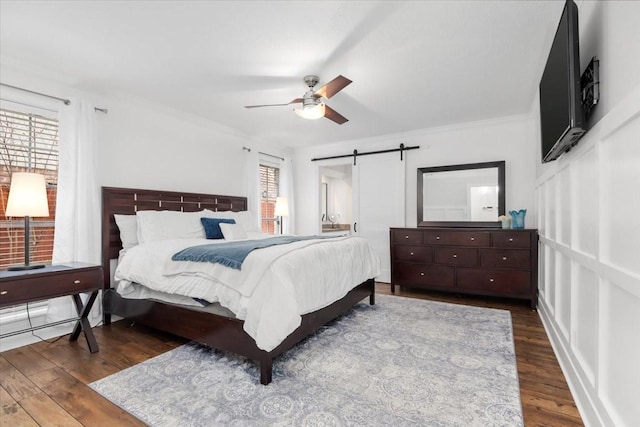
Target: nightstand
70, 279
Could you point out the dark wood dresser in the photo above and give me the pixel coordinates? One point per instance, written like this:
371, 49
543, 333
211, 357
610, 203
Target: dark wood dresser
493, 262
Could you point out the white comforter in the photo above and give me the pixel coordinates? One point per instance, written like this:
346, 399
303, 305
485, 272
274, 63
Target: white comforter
275, 286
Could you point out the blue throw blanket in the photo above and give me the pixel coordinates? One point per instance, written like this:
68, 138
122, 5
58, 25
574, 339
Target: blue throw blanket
233, 254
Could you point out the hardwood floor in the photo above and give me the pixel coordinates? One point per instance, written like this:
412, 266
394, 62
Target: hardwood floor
45, 384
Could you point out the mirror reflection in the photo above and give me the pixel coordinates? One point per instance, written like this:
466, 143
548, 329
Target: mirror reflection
469, 195
336, 198
461, 195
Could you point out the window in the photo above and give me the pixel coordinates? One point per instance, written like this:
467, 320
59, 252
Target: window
28, 143
269, 184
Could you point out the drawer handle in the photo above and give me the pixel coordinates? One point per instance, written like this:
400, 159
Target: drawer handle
437, 237
492, 280
406, 237
511, 239
455, 255
421, 273
411, 254
473, 238
76, 282
4, 292
504, 258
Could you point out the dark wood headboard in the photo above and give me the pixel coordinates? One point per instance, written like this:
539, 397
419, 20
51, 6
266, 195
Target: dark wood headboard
128, 201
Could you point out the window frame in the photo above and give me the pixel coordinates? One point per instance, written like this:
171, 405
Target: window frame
268, 222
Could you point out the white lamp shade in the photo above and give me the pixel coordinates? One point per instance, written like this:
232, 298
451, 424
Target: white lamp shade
282, 207
27, 195
311, 112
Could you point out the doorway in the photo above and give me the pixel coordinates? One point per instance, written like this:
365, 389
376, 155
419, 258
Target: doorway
368, 197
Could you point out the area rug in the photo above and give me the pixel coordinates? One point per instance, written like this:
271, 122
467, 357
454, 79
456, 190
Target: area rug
402, 362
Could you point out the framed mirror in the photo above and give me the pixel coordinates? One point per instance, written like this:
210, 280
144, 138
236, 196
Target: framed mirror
469, 195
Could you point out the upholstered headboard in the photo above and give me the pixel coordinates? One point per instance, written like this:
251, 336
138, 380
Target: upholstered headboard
128, 201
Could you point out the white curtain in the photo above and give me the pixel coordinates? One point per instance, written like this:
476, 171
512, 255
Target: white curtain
77, 228
286, 190
253, 185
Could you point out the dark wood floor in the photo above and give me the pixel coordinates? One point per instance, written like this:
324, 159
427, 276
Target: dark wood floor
44, 384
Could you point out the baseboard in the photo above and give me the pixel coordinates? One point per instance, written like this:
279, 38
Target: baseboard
19, 320
591, 410
26, 338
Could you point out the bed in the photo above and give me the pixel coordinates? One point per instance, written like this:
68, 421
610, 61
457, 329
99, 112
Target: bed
215, 326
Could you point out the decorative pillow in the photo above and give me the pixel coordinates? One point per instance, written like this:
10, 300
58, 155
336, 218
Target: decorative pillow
244, 218
128, 226
233, 231
212, 226
163, 225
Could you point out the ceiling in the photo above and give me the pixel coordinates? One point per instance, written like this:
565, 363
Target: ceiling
414, 65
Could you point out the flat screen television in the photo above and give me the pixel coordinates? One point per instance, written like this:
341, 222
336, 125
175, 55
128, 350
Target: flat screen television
562, 120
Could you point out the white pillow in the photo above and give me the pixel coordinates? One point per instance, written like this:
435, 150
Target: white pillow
128, 226
164, 225
248, 221
233, 231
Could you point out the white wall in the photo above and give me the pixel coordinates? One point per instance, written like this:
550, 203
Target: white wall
145, 148
142, 145
509, 139
588, 202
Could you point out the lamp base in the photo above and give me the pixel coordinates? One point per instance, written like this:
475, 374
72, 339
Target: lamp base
25, 267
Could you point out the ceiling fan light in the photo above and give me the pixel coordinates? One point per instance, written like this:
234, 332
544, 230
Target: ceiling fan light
311, 112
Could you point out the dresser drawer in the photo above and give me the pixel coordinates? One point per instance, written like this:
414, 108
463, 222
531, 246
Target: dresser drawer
404, 237
457, 238
406, 273
506, 258
413, 253
503, 282
451, 255
26, 288
510, 239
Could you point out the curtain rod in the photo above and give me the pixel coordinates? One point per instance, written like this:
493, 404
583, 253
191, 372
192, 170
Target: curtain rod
264, 154
355, 153
63, 100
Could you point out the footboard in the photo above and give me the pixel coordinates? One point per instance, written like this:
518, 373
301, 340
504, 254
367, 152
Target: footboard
312, 322
226, 332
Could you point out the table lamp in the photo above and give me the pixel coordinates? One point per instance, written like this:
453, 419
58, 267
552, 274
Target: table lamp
27, 198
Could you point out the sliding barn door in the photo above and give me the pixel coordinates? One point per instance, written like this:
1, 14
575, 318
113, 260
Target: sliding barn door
379, 202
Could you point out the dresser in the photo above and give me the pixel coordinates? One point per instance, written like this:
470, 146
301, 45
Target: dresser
492, 262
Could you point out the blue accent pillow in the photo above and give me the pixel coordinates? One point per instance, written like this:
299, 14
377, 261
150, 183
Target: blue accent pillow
212, 227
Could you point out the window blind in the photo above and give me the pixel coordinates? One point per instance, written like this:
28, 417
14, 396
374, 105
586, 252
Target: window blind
269, 185
28, 143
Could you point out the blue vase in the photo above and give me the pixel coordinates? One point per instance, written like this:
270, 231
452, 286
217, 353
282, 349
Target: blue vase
517, 218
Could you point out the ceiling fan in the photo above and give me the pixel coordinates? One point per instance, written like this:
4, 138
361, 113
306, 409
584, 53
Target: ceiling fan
312, 105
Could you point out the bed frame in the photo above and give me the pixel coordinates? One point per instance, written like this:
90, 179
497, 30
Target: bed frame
219, 331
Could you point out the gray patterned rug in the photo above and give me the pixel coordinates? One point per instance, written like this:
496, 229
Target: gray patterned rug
402, 362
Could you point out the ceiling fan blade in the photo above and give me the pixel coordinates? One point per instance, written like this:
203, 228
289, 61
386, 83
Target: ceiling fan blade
264, 105
332, 114
295, 101
333, 87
